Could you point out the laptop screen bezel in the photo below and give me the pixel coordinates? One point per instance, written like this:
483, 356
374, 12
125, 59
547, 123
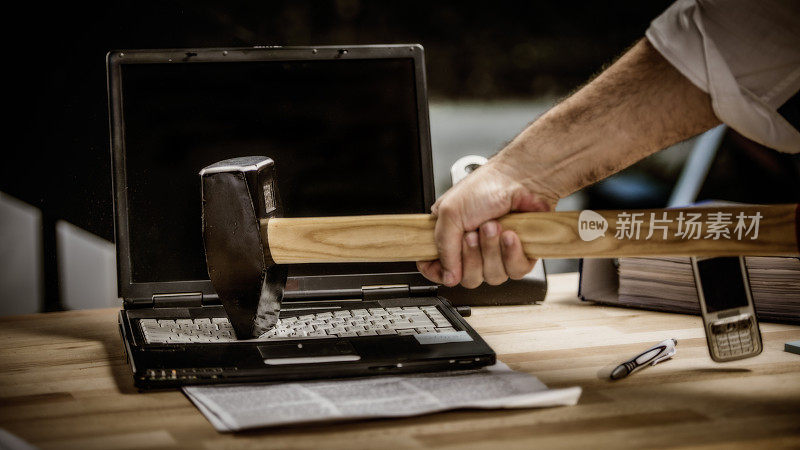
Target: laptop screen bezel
129, 290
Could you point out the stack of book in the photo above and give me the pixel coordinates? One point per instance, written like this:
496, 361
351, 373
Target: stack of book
667, 284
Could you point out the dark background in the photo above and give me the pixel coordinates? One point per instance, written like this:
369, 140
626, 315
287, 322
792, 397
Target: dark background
56, 155
486, 50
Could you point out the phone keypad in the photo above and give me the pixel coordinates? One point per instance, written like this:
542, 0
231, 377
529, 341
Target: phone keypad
733, 338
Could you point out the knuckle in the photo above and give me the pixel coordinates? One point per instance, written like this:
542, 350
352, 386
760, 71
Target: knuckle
471, 284
494, 274
517, 275
518, 271
496, 280
432, 276
515, 269
503, 196
490, 247
447, 209
472, 275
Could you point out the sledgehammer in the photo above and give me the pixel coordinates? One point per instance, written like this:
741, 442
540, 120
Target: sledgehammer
248, 243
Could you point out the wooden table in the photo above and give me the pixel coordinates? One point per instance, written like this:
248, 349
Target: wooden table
64, 384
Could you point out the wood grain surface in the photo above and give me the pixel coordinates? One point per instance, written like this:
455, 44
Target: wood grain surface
64, 384
409, 237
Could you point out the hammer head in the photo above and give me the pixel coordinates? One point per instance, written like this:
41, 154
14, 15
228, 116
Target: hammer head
236, 194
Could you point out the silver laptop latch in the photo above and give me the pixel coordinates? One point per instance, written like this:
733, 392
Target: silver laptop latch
178, 300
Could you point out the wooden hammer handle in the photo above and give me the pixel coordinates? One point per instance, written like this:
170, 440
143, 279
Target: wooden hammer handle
410, 237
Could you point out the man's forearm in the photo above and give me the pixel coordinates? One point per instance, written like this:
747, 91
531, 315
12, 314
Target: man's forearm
637, 106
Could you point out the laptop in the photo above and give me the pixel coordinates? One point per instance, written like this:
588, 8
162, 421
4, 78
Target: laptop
348, 129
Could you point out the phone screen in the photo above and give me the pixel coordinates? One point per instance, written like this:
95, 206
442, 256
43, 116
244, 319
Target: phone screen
723, 284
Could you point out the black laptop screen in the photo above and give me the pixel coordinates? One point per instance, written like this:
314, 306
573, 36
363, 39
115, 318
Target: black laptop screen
344, 135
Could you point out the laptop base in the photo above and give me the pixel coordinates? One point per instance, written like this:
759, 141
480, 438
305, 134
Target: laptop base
169, 365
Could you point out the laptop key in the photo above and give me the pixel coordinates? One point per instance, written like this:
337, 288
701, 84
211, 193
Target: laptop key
342, 323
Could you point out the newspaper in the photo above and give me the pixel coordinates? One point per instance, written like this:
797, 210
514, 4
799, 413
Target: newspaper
242, 406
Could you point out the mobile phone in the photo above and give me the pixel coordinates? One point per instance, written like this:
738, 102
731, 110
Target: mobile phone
726, 303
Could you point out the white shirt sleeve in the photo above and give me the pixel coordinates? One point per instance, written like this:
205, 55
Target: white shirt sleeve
744, 54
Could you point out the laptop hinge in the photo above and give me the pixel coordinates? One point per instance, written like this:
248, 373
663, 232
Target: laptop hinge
383, 291
178, 300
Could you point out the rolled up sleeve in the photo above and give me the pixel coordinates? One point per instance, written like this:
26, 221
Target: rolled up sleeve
745, 55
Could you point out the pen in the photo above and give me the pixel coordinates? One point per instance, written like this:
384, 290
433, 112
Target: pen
650, 357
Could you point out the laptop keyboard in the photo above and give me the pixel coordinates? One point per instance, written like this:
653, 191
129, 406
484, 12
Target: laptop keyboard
408, 320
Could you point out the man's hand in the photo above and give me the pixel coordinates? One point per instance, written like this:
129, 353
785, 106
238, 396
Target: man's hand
473, 248
636, 107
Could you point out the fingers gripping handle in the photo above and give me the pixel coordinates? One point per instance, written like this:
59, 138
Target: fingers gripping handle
658, 232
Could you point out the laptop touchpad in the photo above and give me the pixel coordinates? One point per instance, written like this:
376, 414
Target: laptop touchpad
309, 352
